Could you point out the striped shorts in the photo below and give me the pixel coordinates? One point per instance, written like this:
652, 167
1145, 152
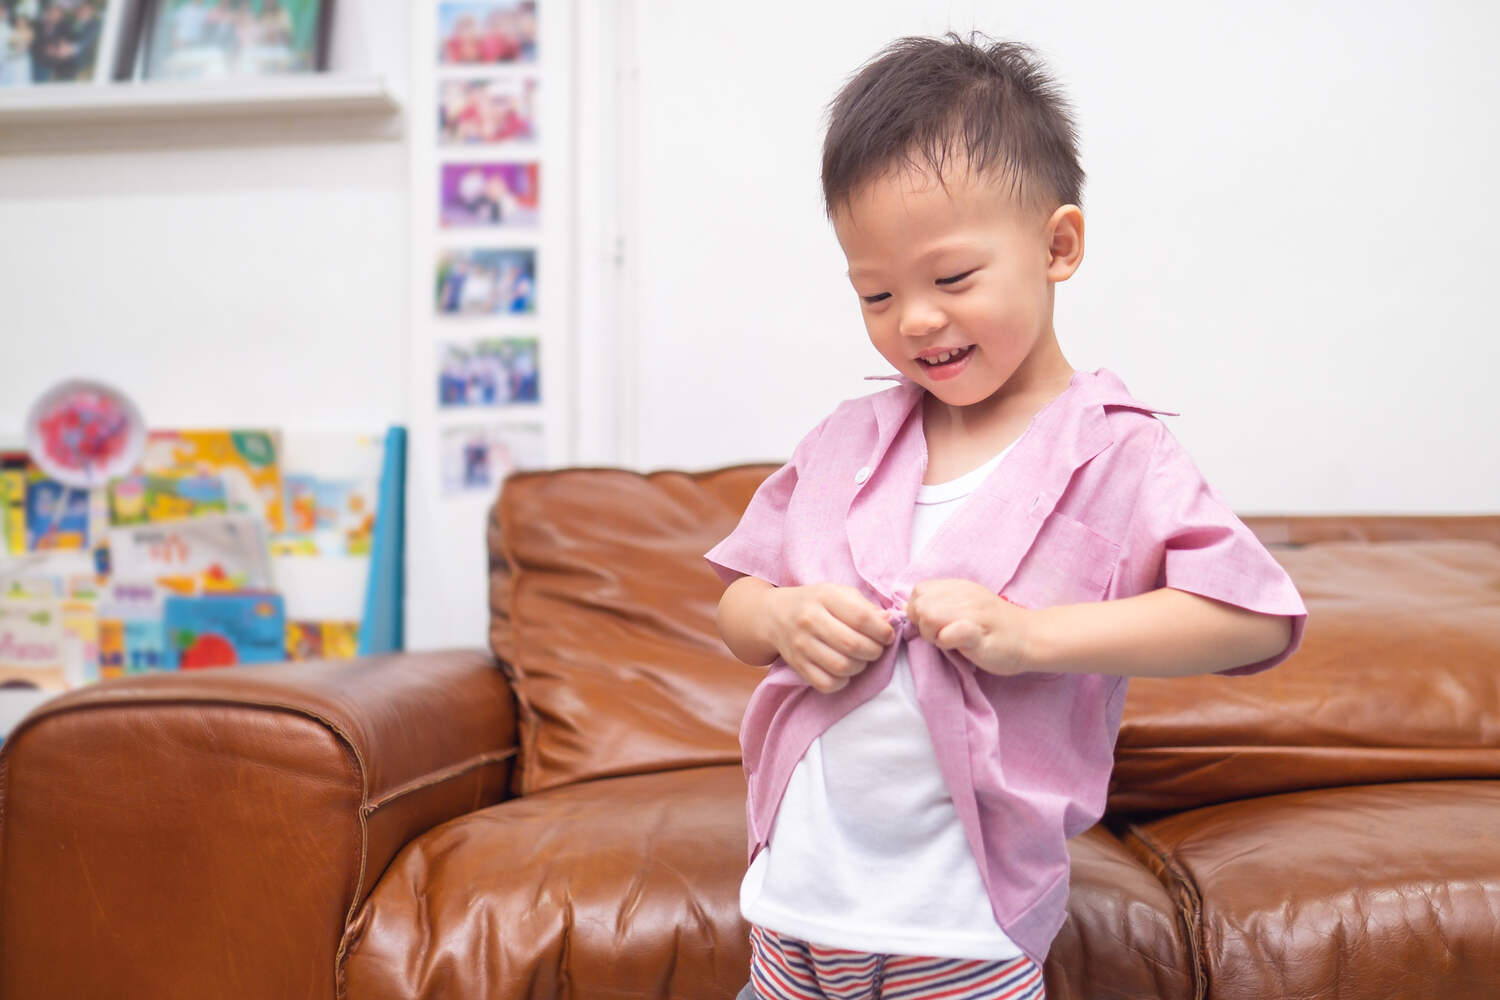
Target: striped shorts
784, 968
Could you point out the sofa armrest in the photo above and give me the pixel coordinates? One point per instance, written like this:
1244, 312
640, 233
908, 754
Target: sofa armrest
232, 818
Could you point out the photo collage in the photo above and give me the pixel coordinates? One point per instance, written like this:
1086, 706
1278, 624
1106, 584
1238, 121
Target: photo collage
44, 42
489, 208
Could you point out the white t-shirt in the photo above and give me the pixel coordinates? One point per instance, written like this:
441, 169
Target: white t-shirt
867, 852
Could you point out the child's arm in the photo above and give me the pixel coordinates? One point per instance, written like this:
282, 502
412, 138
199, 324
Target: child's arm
1162, 633
826, 632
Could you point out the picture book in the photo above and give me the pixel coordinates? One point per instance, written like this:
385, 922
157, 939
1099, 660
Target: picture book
31, 644
83, 585
111, 648
322, 640
246, 461
130, 632
66, 573
131, 599
57, 516
216, 553
80, 625
221, 630
331, 482
98, 516
330, 517
31, 586
145, 646
13, 466
141, 499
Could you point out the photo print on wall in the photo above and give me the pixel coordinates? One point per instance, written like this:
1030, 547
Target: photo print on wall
489, 194
487, 111
62, 41
477, 458
486, 282
495, 371
486, 32
214, 39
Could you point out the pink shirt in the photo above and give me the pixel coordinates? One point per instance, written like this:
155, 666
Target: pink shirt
1095, 501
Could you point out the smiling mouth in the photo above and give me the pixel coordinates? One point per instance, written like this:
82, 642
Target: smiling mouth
948, 357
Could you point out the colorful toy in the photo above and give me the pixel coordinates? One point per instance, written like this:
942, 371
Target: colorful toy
82, 433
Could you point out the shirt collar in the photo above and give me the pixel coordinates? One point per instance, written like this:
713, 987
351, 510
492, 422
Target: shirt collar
1064, 434
1095, 390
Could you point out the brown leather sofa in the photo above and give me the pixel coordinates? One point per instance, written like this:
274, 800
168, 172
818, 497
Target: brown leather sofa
569, 823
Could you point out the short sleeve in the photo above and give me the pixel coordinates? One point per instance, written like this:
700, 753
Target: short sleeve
1203, 548
755, 548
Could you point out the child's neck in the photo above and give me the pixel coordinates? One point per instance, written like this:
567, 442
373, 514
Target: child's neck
962, 438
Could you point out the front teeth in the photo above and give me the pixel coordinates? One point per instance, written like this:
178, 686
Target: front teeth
942, 358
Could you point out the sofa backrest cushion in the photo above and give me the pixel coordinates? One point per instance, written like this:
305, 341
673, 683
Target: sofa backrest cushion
1397, 678
602, 614
603, 617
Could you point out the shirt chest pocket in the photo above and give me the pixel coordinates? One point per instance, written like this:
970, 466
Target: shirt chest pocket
1068, 563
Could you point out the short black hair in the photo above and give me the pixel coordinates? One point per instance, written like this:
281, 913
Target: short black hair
921, 101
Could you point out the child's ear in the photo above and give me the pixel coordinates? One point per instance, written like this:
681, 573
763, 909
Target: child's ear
1064, 242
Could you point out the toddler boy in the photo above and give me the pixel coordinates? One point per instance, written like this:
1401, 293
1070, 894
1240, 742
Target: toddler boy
953, 579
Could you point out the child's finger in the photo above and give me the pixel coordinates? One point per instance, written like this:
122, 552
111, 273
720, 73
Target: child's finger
836, 664
851, 608
812, 650
847, 642
919, 614
819, 678
961, 635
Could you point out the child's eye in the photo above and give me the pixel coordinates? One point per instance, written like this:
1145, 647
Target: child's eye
872, 299
956, 278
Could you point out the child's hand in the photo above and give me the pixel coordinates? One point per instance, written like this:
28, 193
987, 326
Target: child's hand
826, 632
963, 616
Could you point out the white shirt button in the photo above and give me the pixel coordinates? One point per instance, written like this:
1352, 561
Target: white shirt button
862, 475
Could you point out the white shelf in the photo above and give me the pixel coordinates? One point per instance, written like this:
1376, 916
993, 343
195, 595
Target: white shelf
278, 96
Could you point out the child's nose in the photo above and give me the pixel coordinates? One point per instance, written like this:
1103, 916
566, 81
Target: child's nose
920, 318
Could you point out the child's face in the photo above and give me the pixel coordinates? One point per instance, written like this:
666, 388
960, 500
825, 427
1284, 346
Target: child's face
959, 272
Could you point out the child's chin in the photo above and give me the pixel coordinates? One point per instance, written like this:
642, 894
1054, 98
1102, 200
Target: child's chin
958, 396
954, 391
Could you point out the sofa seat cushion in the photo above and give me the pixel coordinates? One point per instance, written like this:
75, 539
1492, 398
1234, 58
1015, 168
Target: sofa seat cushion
1376, 891
616, 888
1123, 938
629, 887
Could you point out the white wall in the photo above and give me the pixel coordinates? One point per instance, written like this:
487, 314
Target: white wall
1289, 233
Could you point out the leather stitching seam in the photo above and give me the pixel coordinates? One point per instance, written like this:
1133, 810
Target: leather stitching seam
1189, 906
433, 778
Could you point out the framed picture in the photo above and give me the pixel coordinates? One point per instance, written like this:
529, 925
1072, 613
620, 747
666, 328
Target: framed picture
486, 282
62, 41
489, 194
494, 371
212, 39
477, 457
487, 111
486, 32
